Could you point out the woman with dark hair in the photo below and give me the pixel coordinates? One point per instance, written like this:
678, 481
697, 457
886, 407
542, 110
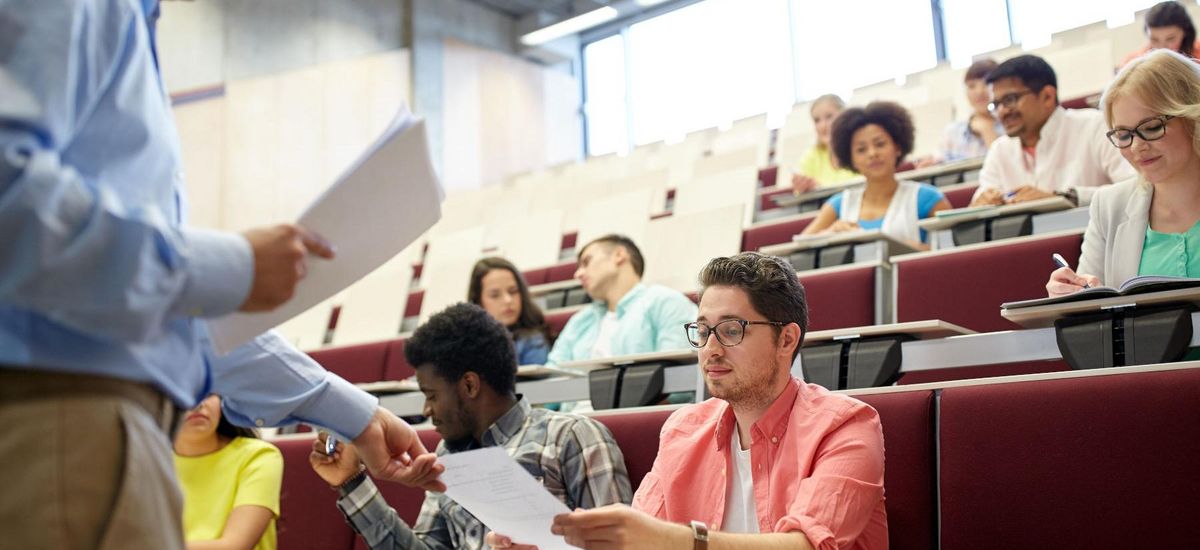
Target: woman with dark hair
230, 481
873, 141
1169, 27
500, 289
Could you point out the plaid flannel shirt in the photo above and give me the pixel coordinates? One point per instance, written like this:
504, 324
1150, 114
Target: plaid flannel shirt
574, 457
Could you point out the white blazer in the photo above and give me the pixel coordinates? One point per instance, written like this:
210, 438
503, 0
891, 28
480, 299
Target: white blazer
1112, 245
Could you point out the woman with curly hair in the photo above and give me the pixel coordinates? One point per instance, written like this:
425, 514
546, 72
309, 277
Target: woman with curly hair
873, 141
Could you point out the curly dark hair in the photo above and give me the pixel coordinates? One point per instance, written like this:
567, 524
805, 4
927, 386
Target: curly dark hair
769, 281
531, 321
462, 338
893, 118
1173, 14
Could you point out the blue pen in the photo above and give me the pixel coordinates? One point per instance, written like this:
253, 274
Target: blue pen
1061, 262
1009, 195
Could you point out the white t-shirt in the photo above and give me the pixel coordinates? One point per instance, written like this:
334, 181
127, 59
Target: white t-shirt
741, 513
608, 328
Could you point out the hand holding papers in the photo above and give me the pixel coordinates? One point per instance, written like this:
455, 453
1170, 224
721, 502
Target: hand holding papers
386, 199
502, 495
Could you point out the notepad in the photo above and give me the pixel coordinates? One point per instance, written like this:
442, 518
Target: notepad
1137, 285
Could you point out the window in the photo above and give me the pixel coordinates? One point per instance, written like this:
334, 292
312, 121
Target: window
973, 27
1033, 21
844, 45
708, 64
605, 108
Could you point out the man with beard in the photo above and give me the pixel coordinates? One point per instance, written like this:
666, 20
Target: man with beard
466, 367
1047, 150
769, 462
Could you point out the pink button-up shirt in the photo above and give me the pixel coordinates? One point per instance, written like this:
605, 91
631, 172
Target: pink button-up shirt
817, 461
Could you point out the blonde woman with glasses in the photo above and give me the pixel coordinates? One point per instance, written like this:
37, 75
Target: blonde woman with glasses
1149, 225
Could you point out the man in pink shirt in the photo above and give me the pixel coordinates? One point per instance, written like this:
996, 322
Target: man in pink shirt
770, 462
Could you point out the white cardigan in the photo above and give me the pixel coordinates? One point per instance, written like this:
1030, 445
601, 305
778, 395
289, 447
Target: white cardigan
1112, 245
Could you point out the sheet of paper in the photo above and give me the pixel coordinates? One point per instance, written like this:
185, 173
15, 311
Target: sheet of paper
384, 201
502, 495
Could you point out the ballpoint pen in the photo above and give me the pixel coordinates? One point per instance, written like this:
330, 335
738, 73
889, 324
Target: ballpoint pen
1058, 260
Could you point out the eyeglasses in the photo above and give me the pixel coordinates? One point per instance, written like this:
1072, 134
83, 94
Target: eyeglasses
729, 332
1149, 130
1009, 100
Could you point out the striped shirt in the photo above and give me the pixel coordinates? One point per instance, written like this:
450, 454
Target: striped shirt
574, 457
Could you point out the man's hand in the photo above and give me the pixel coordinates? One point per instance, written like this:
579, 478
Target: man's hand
501, 542
1065, 281
279, 254
336, 469
802, 184
392, 450
1027, 193
989, 197
927, 161
619, 526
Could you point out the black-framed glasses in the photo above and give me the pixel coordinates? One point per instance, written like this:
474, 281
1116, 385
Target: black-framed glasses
730, 332
1008, 100
1152, 129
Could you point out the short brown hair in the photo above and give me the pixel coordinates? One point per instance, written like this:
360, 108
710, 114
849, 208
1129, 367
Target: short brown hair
889, 115
980, 69
769, 281
613, 239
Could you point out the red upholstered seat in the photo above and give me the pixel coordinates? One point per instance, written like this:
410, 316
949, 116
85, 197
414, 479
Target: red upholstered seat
843, 298
636, 433
966, 286
556, 321
569, 240
766, 200
358, 363
909, 474
1095, 462
396, 366
413, 307
961, 197
308, 513
767, 176
562, 272
982, 371
775, 233
536, 276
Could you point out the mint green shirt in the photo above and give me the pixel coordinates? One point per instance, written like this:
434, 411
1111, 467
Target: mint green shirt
649, 318
1171, 254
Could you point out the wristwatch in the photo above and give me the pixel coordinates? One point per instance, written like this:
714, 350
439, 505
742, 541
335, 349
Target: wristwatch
700, 534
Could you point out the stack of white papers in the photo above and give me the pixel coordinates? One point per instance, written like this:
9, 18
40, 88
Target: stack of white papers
384, 202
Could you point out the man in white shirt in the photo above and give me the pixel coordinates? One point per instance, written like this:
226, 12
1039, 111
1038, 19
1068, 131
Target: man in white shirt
1047, 149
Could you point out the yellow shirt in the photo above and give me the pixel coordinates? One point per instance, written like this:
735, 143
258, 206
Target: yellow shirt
817, 163
246, 471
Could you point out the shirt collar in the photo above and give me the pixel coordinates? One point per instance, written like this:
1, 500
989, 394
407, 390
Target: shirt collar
772, 425
623, 304
1053, 124
508, 424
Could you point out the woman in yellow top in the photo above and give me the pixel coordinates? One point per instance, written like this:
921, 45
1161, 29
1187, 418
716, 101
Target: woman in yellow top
818, 167
230, 480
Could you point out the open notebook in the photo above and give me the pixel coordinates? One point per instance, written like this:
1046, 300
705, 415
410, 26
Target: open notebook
1137, 285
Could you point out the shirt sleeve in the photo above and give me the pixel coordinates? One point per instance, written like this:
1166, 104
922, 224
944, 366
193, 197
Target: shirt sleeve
928, 197
835, 202
1095, 244
989, 175
379, 525
260, 479
673, 311
74, 251
267, 382
593, 467
564, 346
835, 504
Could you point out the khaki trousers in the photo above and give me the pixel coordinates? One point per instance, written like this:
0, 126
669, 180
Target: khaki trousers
85, 462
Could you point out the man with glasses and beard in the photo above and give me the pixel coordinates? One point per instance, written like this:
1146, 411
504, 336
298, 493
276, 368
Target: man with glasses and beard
770, 461
1047, 150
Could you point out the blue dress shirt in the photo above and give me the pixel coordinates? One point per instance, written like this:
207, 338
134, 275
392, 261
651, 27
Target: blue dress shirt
99, 273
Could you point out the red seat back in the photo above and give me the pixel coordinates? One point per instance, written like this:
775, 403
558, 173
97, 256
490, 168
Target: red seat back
910, 473
775, 233
308, 513
1096, 462
840, 299
636, 433
357, 363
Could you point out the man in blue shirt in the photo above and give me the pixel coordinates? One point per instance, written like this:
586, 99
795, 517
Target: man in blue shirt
626, 316
104, 290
